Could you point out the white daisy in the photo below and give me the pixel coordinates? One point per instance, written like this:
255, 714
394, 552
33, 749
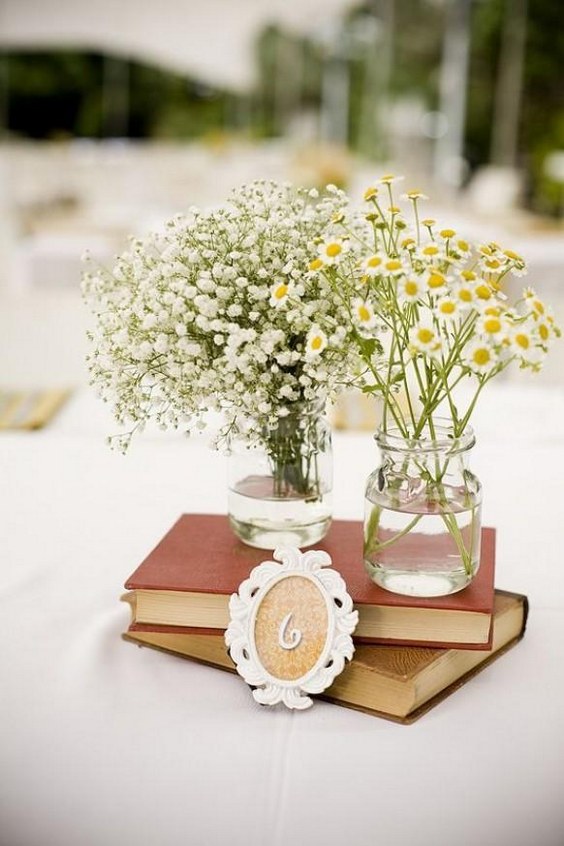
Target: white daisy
524, 344
437, 282
373, 265
447, 309
414, 194
424, 338
363, 314
480, 357
389, 178
394, 267
279, 293
411, 288
464, 294
535, 305
316, 342
331, 252
492, 325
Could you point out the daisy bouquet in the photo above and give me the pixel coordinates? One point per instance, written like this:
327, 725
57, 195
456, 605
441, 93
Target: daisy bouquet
215, 313
439, 302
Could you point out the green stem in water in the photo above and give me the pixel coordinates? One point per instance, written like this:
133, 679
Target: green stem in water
372, 545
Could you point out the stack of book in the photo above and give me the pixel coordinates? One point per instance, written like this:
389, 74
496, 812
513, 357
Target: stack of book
409, 652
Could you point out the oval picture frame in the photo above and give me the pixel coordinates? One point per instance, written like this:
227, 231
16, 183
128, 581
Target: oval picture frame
290, 627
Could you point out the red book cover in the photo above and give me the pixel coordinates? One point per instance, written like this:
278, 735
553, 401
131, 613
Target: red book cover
200, 553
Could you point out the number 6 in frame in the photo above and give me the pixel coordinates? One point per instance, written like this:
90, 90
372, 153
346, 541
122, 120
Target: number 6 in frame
290, 627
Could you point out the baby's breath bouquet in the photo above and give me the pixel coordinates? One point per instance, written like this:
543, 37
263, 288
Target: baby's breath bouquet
218, 313
440, 302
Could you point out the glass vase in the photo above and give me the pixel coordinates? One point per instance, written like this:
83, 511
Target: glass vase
280, 487
422, 526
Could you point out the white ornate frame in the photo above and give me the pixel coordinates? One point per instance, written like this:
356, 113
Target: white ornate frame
341, 622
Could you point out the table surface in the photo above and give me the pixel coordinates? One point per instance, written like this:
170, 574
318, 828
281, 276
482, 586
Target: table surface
102, 743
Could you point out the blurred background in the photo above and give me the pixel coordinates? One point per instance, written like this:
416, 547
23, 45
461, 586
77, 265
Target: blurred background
115, 116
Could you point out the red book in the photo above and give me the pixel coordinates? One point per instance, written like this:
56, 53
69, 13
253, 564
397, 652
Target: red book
185, 583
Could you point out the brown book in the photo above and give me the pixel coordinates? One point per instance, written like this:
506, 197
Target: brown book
186, 582
399, 683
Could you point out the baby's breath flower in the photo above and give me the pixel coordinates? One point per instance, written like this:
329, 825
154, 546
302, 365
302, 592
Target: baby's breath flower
223, 311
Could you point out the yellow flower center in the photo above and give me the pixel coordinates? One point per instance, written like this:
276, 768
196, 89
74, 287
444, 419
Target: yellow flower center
333, 250
374, 261
315, 264
483, 292
436, 280
522, 341
538, 306
510, 254
316, 342
493, 310
425, 336
280, 292
543, 332
463, 245
465, 294
388, 177
481, 356
411, 288
447, 307
363, 313
428, 221
447, 233
486, 251
492, 325
407, 242
493, 263
370, 192
431, 250
469, 275
393, 264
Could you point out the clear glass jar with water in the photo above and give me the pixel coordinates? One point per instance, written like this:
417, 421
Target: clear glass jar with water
422, 526
280, 488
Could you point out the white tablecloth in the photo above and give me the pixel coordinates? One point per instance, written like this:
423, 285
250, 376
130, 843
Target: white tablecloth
102, 743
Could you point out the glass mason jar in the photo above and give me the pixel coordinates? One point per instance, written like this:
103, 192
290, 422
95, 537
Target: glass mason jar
422, 526
280, 489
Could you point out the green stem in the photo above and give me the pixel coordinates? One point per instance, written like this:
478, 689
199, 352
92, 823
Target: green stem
372, 546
